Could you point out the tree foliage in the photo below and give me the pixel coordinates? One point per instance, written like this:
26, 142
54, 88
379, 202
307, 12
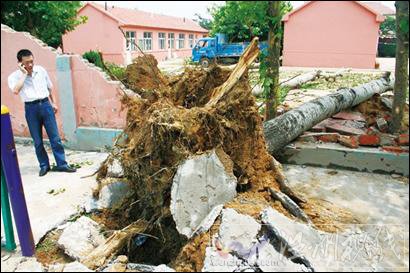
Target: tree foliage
243, 20
388, 27
203, 22
47, 20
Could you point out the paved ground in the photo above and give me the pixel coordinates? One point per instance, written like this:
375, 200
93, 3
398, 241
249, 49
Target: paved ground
46, 210
373, 199
379, 202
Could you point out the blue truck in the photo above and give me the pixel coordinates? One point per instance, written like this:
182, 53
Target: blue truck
216, 48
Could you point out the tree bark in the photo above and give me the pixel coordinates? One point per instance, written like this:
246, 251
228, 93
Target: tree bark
401, 70
273, 59
285, 128
301, 79
113, 244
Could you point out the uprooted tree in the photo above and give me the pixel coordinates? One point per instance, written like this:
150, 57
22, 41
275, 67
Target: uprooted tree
172, 119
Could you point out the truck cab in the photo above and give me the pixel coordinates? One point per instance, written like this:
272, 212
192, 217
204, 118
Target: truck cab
204, 51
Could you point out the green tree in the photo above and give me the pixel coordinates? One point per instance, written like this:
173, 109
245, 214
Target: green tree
47, 20
243, 20
401, 83
269, 69
388, 26
203, 22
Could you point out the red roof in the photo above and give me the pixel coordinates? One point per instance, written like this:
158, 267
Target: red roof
379, 16
133, 17
380, 8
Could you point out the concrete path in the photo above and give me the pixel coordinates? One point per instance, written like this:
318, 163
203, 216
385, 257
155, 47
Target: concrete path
379, 202
46, 210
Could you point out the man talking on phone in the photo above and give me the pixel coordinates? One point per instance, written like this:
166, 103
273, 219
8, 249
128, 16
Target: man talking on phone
34, 86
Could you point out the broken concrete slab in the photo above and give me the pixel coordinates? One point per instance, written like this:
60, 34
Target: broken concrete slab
269, 260
76, 267
140, 267
238, 231
352, 250
163, 268
149, 268
55, 268
208, 221
201, 183
80, 238
113, 194
115, 169
218, 261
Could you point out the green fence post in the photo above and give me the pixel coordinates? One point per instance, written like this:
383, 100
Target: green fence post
5, 211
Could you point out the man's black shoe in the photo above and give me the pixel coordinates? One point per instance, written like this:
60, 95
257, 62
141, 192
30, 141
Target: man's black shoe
44, 171
65, 168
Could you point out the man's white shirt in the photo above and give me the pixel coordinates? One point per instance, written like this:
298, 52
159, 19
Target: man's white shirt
35, 87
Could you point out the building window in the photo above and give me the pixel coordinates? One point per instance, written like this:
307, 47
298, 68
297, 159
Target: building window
161, 40
181, 40
191, 40
130, 38
147, 41
171, 40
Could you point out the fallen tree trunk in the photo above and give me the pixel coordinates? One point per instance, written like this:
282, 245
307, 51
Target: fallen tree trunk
301, 79
285, 128
333, 76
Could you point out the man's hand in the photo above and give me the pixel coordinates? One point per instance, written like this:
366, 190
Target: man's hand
55, 108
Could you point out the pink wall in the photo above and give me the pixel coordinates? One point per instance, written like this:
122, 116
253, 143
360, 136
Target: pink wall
11, 43
331, 34
96, 99
99, 33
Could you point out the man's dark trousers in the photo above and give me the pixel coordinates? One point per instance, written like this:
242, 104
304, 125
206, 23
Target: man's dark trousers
38, 114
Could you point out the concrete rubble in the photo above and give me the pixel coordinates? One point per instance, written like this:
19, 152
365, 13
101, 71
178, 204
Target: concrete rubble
80, 238
70, 267
22, 264
317, 250
115, 169
113, 194
201, 184
238, 231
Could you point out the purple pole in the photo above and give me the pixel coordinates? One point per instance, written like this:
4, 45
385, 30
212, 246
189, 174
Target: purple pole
13, 178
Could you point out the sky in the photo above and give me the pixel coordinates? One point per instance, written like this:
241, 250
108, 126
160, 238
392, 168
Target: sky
187, 8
